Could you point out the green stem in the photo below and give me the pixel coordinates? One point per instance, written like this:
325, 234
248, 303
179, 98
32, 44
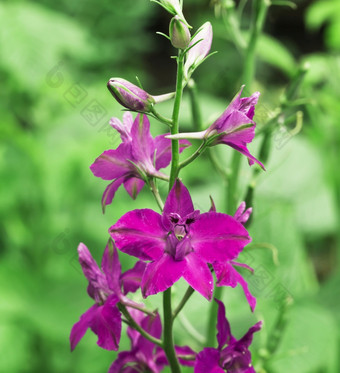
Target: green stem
185, 298
134, 325
175, 120
211, 328
161, 118
196, 154
195, 109
168, 340
156, 194
232, 182
259, 12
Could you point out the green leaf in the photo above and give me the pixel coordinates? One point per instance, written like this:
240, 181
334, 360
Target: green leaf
272, 51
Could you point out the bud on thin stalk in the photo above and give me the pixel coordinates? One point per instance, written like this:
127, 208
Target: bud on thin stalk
130, 96
179, 33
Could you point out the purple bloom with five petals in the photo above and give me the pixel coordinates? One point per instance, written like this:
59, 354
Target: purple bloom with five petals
140, 155
105, 287
179, 243
232, 355
144, 356
225, 272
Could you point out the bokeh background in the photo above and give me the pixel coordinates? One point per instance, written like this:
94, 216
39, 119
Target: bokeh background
55, 60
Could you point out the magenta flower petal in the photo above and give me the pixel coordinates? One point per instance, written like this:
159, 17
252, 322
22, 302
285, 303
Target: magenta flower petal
79, 329
223, 328
243, 150
178, 201
163, 150
247, 339
143, 143
242, 215
133, 186
185, 351
218, 237
112, 268
140, 233
89, 266
228, 276
112, 163
107, 324
104, 321
110, 192
161, 274
132, 278
207, 361
123, 359
198, 275
123, 128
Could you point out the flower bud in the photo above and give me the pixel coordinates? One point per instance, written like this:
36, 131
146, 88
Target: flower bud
130, 96
200, 50
172, 6
179, 33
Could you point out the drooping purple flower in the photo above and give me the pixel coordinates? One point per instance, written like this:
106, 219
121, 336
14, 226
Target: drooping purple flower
226, 274
140, 155
200, 50
179, 243
130, 96
105, 287
235, 127
232, 355
145, 356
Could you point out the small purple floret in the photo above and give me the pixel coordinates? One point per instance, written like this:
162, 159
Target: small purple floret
140, 155
232, 355
105, 288
145, 356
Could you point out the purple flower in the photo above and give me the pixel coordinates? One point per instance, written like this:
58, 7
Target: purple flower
130, 96
232, 355
179, 243
144, 356
105, 285
235, 127
140, 155
199, 51
226, 274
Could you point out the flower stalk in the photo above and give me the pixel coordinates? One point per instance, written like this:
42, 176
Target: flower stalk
168, 319
175, 119
137, 327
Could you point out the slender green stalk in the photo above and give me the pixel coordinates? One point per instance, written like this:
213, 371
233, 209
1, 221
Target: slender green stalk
196, 154
155, 192
211, 327
259, 15
168, 339
195, 109
134, 325
184, 300
175, 120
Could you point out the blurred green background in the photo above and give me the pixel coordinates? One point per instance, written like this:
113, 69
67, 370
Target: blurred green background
56, 58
